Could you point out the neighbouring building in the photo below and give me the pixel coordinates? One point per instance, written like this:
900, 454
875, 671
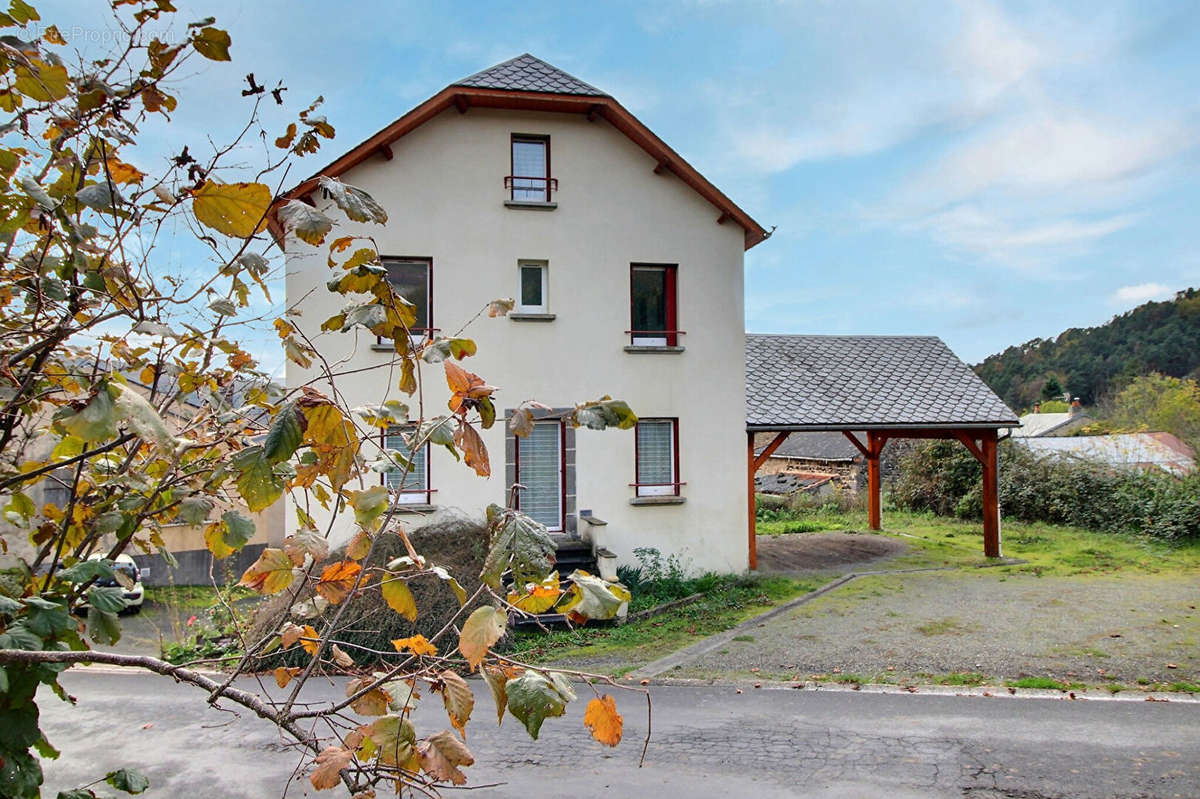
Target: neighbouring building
627, 267
828, 454
1144, 451
1040, 425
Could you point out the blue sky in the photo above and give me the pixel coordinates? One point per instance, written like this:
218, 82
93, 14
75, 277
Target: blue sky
985, 172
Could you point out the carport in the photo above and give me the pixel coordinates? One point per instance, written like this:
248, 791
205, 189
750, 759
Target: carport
872, 389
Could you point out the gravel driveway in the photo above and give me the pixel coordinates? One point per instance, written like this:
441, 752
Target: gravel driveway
1006, 626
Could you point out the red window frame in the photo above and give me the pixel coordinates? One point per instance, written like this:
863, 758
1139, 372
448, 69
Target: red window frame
429, 330
671, 312
510, 182
562, 472
427, 490
675, 485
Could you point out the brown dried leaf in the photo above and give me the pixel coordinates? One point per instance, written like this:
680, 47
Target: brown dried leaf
341, 658
441, 754
330, 763
373, 703
458, 699
473, 449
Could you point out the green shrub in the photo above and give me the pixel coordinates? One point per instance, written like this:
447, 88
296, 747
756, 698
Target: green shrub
944, 478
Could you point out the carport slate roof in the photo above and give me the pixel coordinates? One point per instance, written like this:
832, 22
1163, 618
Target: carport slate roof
861, 382
525, 73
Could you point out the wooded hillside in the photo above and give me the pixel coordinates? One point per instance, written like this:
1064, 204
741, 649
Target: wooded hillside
1091, 362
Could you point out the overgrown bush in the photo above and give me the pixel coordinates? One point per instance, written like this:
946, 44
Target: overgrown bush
452, 541
657, 579
944, 478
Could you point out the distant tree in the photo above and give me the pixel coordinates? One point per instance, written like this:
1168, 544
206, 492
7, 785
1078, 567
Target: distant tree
1052, 389
1094, 362
1160, 403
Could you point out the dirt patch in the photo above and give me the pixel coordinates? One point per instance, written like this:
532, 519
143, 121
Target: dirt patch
807, 552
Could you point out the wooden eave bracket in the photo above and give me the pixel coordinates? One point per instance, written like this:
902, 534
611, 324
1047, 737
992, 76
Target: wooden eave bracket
769, 450
594, 112
662, 167
461, 103
970, 444
386, 151
857, 444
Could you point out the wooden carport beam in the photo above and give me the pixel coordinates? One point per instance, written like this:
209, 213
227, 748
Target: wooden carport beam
752, 463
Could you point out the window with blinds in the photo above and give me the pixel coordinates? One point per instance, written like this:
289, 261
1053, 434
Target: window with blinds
539, 469
656, 441
413, 486
530, 169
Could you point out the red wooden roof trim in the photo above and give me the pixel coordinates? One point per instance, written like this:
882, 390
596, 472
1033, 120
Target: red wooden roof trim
603, 107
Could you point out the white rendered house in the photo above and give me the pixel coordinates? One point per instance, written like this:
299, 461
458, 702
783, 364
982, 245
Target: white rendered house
626, 264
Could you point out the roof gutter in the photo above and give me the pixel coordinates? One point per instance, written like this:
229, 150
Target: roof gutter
852, 426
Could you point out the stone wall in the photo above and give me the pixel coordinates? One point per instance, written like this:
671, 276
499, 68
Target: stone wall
849, 476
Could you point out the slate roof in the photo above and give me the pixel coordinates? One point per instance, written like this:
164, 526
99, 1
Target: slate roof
526, 73
1034, 425
820, 446
860, 382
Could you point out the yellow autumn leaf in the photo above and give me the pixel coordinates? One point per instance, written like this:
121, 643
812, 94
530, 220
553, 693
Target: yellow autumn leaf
235, 209
602, 718
417, 644
270, 574
399, 598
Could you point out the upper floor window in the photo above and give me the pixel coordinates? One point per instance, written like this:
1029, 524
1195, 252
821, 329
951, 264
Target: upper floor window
533, 287
411, 484
653, 309
412, 279
656, 444
530, 177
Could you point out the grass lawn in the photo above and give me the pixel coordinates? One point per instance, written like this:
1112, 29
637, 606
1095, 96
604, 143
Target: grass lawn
1050, 550
617, 650
193, 597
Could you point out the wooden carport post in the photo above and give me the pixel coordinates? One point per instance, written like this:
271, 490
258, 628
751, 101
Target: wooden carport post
985, 451
871, 452
752, 463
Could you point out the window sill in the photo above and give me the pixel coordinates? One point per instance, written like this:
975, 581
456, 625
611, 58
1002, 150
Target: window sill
532, 317
530, 205
413, 507
663, 500
640, 348
377, 347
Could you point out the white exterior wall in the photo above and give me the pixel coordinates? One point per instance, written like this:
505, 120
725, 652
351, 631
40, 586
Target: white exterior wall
444, 194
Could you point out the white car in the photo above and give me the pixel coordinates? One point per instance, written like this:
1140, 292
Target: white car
133, 594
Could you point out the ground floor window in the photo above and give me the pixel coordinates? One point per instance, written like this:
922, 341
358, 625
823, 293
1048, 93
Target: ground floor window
539, 469
411, 487
657, 457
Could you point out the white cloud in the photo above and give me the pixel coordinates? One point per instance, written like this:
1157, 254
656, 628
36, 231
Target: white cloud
1017, 242
1140, 293
1050, 149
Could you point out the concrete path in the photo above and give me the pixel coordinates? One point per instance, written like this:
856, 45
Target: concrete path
708, 742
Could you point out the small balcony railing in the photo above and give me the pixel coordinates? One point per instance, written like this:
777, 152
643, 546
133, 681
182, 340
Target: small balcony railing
530, 189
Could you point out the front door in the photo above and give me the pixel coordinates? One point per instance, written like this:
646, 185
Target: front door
540, 471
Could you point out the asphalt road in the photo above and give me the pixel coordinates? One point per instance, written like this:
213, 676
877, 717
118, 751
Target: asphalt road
708, 741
